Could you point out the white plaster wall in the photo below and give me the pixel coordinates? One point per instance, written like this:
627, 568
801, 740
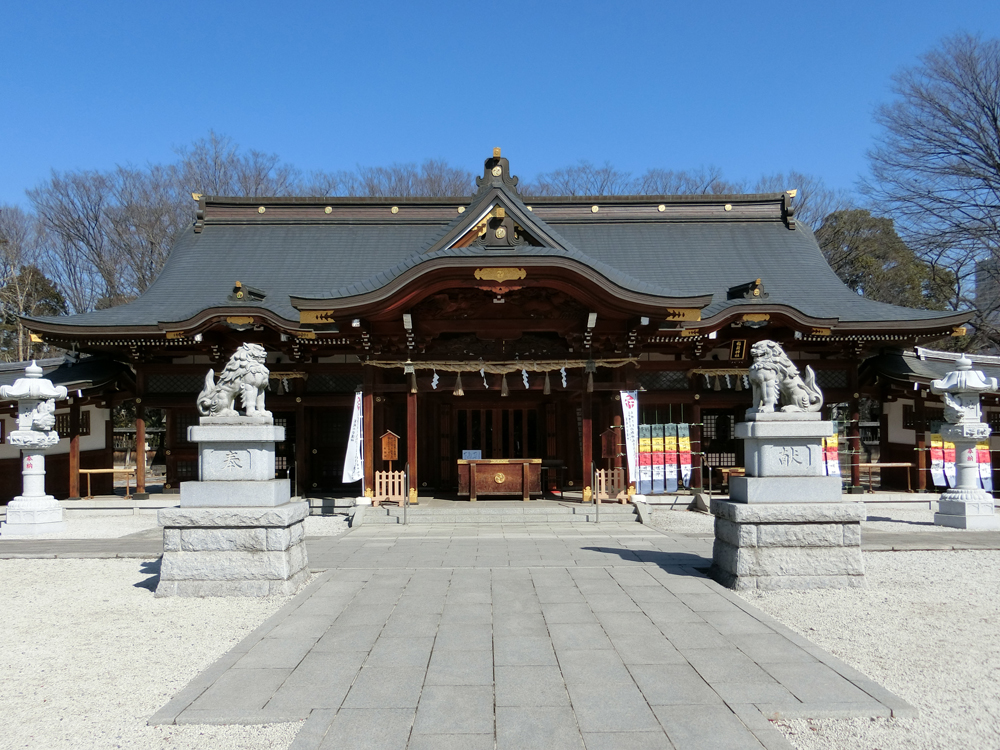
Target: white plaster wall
92, 442
893, 410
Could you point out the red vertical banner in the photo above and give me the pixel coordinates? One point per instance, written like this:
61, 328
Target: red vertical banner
684, 452
831, 455
937, 460
985, 465
950, 472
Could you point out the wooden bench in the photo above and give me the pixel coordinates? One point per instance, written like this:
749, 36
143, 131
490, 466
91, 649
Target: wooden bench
127, 472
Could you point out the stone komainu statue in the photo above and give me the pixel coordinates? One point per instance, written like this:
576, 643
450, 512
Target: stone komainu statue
246, 376
776, 381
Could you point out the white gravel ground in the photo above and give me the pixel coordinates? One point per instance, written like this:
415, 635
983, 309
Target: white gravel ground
926, 628
88, 655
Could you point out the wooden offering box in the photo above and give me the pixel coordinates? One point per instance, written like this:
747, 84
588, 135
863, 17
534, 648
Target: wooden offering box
500, 476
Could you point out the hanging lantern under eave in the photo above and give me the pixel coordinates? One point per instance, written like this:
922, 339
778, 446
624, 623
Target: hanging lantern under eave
547, 388
458, 386
718, 385
739, 382
503, 385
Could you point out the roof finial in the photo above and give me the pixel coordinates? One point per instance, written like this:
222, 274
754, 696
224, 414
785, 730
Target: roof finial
496, 152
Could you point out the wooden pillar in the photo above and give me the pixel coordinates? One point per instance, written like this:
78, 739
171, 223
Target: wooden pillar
920, 426
616, 424
303, 450
74, 448
368, 428
140, 447
588, 435
854, 431
411, 441
696, 451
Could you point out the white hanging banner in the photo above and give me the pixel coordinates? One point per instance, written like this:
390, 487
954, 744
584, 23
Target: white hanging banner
354, 461
630, 413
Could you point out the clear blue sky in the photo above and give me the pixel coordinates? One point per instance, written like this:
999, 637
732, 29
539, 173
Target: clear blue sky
751, 87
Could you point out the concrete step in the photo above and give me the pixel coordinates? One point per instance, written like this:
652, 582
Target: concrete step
487, 515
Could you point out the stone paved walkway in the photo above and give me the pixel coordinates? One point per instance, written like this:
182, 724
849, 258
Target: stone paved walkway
523, 637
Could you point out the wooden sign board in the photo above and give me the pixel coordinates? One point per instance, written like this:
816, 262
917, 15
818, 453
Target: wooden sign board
390, 446
609, 443
738, 349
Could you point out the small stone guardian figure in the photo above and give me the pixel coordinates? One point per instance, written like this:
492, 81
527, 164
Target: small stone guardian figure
245, 376
776, 382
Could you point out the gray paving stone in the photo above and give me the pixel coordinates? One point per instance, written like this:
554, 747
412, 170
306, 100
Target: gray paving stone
467, 614
589, 667
686, 728
617, 602
298, 625
673, 684
567, 593
411, 625
460, 668
241, 689
386, 687
356, 614
348, 638
313, 729
770, 693
670, 613
567, 612
537, 728
523, 650
419, 605
391, 651
734, 621
628, 623
639, 649
451, 742
369, 729
727, 665
276, 653
769, 647
519, 624
627, 741
573, 636
462, 638
530, 686
693, 635
447, 709
816, 683
610, 707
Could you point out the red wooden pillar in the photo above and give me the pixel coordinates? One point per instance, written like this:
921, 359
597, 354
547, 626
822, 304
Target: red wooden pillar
368, 429
696, 451
411, 442
74, 448
588, 437
854, 432
140, 447
616, 424
920, 426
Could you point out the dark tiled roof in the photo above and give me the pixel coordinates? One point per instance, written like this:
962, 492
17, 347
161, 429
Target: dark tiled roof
660, 254
909, 367
87, 372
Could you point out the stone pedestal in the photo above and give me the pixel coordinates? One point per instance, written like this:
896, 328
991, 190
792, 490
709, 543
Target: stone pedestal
786, 524
788, 545
236, 533
34, 512
233, 551
967, 506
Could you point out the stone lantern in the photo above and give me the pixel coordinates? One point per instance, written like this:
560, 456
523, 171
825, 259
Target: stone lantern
966, 506
33, 512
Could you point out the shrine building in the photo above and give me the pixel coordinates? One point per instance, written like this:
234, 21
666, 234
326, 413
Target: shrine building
501, 323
